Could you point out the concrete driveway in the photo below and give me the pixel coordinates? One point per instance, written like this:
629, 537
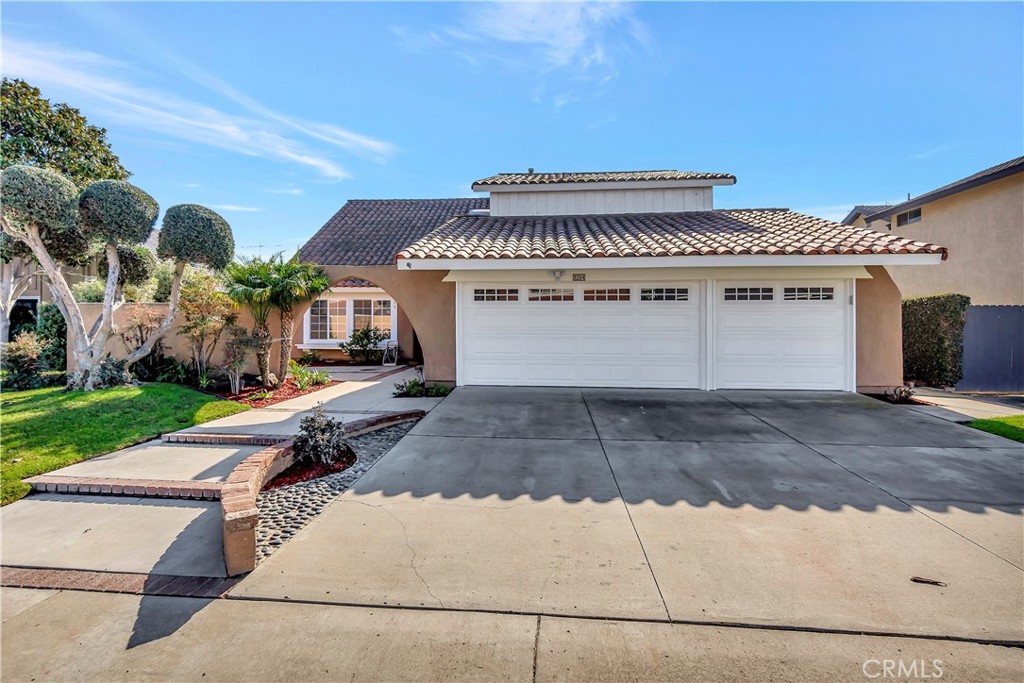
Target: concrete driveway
803, 510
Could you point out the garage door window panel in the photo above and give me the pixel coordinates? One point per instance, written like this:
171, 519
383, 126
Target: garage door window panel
497, 294
614, 294
664, 294
552, 294
749, 294
808, 293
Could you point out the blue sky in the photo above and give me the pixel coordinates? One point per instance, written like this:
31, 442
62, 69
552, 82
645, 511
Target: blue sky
275, 114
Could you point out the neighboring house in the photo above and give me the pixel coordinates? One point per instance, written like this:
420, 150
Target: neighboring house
27, 304
980, 219
627, 279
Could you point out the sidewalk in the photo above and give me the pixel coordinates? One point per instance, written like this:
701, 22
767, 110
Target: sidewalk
160, 527
960, 407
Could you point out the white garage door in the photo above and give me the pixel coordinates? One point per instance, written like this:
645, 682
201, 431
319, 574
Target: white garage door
572, 334
785, 335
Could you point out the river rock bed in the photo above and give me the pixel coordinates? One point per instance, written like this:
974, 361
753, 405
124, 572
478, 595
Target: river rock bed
285, 510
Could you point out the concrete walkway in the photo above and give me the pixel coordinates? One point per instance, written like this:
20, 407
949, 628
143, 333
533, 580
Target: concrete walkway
345, 402
961, 407
126, 533
67, 636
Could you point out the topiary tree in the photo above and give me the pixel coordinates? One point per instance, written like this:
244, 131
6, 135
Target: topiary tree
43, 211
137, 266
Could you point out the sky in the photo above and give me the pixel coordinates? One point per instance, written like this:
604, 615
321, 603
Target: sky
275, 114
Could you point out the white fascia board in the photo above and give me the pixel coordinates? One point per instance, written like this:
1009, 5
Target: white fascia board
717, 260
604, 185
663, 275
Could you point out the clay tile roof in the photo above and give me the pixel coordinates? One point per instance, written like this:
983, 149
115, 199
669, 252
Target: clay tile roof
596, 177
353, 282
369, 232
693, 233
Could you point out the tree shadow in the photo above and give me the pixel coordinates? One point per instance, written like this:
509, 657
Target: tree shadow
795, 450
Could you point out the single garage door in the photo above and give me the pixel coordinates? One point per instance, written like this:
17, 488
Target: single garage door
575, 334
781, 335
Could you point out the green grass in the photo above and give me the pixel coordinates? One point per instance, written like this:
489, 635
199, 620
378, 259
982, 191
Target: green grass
45, 429
1011, 426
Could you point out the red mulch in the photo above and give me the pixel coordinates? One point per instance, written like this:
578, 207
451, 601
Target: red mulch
305, 470
282, 393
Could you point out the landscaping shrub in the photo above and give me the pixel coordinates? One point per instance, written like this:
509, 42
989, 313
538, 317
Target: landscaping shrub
304, 377
236, 356
362, 346
933, 339
416, 387
23, 362
310, 357
112, 372
322, 439
52, 331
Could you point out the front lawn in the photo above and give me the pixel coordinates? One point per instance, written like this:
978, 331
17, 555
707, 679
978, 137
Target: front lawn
45, 429
1011, 426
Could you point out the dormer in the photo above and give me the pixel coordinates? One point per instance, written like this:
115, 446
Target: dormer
609, 192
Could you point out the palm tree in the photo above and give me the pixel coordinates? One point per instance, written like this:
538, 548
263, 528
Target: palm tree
249, 282
294, 283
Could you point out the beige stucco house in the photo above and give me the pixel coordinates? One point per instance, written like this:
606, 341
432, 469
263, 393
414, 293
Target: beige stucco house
623, 279
980, 219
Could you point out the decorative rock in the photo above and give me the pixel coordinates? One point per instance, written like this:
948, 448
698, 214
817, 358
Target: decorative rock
284, 511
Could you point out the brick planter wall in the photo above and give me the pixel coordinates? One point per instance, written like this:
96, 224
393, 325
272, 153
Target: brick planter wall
238, 503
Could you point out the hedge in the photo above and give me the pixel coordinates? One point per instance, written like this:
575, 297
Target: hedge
933, 339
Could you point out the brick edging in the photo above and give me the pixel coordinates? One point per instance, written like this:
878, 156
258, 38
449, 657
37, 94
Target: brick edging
116, 582
118, 486
225, 439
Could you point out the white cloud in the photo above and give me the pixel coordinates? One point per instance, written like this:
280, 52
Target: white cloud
562, 47
260, 132
572, 35
288, 190
235, 207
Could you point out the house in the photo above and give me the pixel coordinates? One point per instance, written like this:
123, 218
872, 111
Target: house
980, 219
623, 279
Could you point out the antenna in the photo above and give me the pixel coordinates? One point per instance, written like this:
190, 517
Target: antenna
258, 247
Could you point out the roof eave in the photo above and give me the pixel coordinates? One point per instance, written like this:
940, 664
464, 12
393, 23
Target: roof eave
601, 185
703, 261
942, 193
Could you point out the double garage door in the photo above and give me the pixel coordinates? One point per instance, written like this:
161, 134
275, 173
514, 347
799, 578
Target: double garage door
702, 334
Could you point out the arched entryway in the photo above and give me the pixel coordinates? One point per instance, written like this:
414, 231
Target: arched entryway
417, 309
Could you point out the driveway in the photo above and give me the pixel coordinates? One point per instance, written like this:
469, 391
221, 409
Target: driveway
803, 510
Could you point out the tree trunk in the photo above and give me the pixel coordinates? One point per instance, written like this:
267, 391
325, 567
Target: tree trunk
287, 333
264, 342
89, 346
17, 276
